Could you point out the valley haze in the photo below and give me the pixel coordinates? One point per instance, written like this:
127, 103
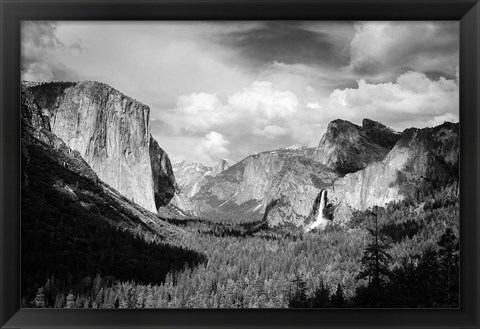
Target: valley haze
240, 164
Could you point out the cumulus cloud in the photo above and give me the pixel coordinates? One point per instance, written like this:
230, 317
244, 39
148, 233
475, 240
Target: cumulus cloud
264, 100
314, 106
270, 131
257, 118
262, 117
213, 147
412, 100
38, 40
199, 112
383, 50
255, 106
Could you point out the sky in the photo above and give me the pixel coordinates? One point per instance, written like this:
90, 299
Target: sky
226, 90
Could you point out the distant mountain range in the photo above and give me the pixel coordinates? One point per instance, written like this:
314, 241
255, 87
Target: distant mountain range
357, 166
192, 175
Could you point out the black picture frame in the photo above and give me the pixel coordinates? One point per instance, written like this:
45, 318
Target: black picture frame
12, 12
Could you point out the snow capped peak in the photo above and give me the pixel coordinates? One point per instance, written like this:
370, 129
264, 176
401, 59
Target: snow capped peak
184, 164
294, 147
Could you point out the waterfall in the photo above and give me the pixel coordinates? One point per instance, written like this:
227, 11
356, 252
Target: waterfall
320, 220
322, 205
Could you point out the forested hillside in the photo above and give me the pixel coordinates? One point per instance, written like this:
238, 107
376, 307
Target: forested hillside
249, 265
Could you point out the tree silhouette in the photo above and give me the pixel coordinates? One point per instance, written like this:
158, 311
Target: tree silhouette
299, 298
321, 297
338, 299
375, 266
449, 266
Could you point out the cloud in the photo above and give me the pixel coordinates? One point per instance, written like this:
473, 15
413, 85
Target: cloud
38, 72
412, 100
258, 85
213, 147
271, 131
151, 61
40, 34
289, 42
314, 106
254, 106
38, 40
262, 100
198, 112
382, 50
259, 117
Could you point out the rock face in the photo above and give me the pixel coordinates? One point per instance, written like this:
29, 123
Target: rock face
220, 167
279, 185
162, 175
111, 131
347, 147
292, 197
420, 157
380, 134
57, 178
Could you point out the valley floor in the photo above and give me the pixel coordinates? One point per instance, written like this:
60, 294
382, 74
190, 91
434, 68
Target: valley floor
252, 266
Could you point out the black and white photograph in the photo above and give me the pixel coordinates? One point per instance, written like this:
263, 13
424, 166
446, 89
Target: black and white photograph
240, 164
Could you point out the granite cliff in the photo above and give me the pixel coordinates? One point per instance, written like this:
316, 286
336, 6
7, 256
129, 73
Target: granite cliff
347, 147
254, 185
58, 184
421, 157
111, 132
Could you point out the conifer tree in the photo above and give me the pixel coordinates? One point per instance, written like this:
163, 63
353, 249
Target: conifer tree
59, 300
299, 297
149, 302
321, 297
39, 300
70, 302
449, 267
375, 265
99, 298
338, 299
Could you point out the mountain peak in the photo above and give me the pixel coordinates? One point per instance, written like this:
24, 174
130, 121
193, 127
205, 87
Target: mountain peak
221, 166
294, 147
380, 134
347, 147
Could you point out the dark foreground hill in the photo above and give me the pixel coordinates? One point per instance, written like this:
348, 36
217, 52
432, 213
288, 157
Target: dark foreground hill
75, 226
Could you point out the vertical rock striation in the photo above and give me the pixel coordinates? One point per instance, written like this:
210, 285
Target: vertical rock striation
112, 133
162, 174
220, 167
